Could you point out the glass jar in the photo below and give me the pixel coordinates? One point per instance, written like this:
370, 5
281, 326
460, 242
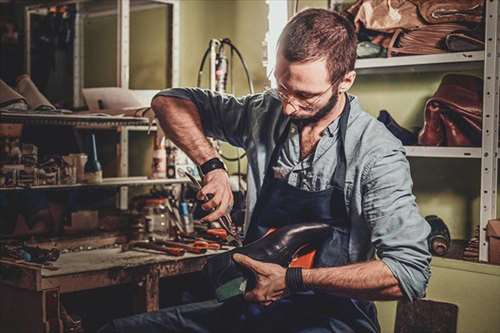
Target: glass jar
156, 220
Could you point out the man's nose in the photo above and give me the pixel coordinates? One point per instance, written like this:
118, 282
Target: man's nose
288, 108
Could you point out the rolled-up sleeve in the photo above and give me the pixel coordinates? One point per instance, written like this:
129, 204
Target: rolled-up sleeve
224, 117
399, 232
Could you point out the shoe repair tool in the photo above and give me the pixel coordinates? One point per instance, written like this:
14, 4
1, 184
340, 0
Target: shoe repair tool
173, 251
29, 253
188, 248
200, 241
224, 220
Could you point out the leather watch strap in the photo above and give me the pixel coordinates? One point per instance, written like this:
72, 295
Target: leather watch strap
212, 164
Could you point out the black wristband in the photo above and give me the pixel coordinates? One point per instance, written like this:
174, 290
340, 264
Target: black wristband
293, 279
212, 164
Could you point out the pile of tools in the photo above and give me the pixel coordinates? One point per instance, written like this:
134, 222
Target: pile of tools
182, 235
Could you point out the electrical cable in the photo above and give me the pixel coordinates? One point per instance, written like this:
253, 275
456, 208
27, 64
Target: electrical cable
233, 49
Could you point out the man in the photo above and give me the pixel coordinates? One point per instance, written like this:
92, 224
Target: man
313, 155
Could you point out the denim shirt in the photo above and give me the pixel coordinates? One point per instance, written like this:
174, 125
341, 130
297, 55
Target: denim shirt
381, 206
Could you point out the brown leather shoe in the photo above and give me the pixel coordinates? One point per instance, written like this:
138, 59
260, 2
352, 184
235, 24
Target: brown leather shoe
432, 134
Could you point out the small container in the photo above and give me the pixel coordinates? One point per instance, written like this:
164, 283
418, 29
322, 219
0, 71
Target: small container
159, 167
156, 218
187, 218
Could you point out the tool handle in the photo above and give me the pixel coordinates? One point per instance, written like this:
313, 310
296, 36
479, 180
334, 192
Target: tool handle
188, 248
174, 251
217, 232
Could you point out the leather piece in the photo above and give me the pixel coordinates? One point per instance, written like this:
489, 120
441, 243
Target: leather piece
385, 15
432, 133
429, 39
461, 93
464, 41
454, 136
8, 95
453, 116
407, 138
278, 247
444, 11
36, 100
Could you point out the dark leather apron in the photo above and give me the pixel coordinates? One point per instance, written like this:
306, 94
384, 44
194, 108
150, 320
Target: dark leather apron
280, 204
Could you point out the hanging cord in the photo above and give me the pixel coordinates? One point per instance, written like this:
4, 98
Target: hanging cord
233, 49
296, 7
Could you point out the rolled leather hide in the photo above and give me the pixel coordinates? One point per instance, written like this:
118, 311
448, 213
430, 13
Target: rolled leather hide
446, 11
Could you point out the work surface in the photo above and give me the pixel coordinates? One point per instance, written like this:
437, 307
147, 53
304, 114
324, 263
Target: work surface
104, 259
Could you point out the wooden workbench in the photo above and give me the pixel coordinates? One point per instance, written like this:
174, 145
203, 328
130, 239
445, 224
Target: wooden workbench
31, 289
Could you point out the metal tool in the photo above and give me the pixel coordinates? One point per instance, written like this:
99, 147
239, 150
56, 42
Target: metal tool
187, 247
173, 251
225, 220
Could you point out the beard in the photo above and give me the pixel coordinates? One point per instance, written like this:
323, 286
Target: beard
321, 112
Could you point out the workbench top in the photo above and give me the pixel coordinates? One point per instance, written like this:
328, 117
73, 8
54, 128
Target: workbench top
104, 259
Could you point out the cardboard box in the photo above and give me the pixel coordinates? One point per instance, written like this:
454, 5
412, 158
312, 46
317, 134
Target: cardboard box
493, 234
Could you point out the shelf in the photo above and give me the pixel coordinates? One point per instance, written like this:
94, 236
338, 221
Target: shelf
107, 182
443, 152
60, 119
467, 266
431, 62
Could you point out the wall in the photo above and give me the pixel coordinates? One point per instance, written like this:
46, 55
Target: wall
148, 49
449, 188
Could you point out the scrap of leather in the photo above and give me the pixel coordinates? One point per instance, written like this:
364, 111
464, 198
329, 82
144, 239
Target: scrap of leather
8, 95
36, 100
453, 116
462, 93
444, 11
464, 41
278, 247
385, 15
454, 136
429, 39
432, 133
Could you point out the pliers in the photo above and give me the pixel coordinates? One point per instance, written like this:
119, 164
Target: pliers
225, 220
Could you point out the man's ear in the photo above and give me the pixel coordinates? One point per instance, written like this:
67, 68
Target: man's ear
347, 82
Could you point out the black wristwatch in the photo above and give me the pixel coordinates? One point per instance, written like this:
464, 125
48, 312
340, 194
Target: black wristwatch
212, 164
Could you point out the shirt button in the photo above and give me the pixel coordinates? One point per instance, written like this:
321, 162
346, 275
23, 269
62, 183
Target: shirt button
293, 130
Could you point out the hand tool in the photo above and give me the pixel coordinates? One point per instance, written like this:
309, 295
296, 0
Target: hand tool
224, 220
203, 242
174, 251
188, 248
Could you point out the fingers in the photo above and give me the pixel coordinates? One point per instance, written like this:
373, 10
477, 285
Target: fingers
256, 297
254, 265
217, 194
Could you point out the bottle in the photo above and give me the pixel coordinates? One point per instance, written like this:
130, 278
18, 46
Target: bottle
159, 167
439, 238
93, 170
187, 218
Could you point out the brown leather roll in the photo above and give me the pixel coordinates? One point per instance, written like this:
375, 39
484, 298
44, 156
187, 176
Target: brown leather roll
445, 11
429, 39
9, 96
36, 100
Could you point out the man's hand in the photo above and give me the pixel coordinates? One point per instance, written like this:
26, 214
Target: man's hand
270, 280
216, 183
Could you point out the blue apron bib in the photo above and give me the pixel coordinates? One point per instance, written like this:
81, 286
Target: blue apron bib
281, 204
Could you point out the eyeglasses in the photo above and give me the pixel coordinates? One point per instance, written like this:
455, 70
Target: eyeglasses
306, 104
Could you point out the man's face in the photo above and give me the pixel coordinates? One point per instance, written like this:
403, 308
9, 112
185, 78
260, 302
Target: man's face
305, 89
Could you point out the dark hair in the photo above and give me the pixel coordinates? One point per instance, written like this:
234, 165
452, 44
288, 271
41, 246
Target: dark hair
314, 33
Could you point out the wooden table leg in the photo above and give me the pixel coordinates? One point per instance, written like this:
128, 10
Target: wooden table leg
147, 293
